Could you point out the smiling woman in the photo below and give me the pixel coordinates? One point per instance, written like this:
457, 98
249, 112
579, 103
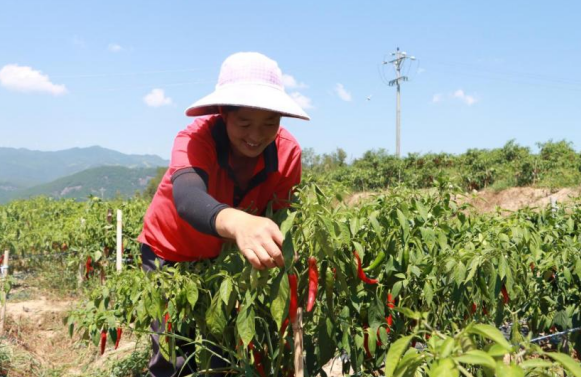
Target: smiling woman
234, 156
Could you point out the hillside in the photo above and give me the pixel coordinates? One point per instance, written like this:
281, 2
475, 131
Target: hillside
105, 181
24, 167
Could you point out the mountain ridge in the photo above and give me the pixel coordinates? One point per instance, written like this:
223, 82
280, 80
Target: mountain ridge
23, 167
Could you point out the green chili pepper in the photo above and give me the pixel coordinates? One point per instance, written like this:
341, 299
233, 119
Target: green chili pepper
376, 262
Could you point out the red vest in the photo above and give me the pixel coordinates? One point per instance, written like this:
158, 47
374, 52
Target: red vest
204, 144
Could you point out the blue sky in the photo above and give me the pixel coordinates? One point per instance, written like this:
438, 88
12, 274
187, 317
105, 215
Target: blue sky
76, 74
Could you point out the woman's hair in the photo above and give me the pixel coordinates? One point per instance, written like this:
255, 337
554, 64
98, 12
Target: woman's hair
228, 109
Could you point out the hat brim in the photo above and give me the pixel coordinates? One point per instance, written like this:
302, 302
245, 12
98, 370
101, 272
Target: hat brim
262, 97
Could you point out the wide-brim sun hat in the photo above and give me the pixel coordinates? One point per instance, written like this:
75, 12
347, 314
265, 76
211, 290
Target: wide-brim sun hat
249, 79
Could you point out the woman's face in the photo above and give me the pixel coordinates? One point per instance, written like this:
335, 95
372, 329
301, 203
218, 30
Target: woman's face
251, 130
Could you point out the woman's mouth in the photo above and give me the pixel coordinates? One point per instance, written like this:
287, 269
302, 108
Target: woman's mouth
252, 145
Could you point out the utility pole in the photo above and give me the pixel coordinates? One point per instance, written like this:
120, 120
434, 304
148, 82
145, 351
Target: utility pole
400, 57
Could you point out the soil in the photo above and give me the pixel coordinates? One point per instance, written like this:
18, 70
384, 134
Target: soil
41, 344
515, 198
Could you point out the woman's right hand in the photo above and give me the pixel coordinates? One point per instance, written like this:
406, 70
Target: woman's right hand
258, 238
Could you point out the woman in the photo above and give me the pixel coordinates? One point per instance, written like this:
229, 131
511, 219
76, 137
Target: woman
234, 156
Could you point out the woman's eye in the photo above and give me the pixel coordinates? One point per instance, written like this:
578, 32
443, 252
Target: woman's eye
244, 125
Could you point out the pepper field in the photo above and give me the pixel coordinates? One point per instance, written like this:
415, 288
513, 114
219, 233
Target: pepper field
442, 290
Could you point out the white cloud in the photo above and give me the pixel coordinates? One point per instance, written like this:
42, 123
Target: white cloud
467, 99
302, 100
421, 70
342, 93
437, 98
26, 79
290, 82
157, 98
114, 47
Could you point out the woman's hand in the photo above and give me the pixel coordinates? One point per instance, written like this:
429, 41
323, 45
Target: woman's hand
258, 238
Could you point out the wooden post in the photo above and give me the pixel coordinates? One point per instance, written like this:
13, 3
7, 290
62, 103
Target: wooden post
3, 294
119, 240
298, 343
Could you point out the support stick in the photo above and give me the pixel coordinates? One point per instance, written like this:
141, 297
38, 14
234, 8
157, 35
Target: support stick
298, 342
119, 239
3, 294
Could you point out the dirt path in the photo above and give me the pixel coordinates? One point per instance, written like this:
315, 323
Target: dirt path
41, 346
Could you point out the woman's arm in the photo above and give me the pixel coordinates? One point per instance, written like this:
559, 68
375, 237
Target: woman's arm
258, 238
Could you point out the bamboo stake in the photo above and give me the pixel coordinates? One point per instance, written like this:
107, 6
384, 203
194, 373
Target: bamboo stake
298, 343
3, 276
119, 239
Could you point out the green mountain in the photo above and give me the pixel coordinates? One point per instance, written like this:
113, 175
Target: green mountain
24, 167
105, 181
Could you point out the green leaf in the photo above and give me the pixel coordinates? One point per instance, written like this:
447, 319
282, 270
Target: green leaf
460, 273
476, 357
280, 298
371, 340
503, 370
216, 317
562, 320
192, 293
502, 266
567, 362
226, 290
409, 313
447, 347
288, 251
444, 368
395, 352
326, 344
287, 224
245, 324
492, 333
428, 293
535, 363
403, 222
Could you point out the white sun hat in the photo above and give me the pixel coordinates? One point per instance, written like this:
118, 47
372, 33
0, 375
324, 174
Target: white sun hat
249, 79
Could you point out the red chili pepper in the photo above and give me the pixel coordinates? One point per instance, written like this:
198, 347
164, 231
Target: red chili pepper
365, 341
361, 273
257, 360
389, 320
88, 267
390, 301
313, 283
473, 308
103, 340
484, 311
167, 322
284, 326
505, 297
532, 267
293, 307
119, 332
